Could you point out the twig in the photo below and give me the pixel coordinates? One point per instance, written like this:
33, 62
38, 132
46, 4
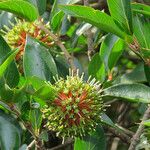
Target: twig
136, 137
89, 34
60, 44
120, 120
31, 145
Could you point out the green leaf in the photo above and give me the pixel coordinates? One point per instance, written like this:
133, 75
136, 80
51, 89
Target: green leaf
21, 8
5, 18
110, 50
134, 92
147, 72
147, 123
105, 119
36, 82
94, 17
36, 120
40, 4
6, 93
10, 137
46, 92
121, 12
62, 66
136, 75
57, 15
7, 62
95, 141
99, 69
38, 61
141, 9
11, 75
142, 33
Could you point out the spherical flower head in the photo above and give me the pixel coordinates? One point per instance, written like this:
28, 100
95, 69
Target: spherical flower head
76, 109
16, 37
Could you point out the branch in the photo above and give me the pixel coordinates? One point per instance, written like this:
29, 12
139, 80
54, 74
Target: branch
125, 138
136, 137
60, 44
60, 147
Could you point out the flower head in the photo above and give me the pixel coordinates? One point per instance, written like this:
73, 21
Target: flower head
16, 37
76, 109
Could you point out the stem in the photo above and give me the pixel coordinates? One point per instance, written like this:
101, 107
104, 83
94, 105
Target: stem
89, 37
60, 44
136, 137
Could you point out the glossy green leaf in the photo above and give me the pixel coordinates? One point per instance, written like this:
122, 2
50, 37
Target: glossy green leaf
134, 92
94, 17
21, 8
7, 62
121, 12
110, 50
10, 138
11, 75
38, 61
99, 69
141, 8
95, 141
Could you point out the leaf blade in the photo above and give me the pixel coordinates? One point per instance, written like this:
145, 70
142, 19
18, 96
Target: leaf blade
21, 8
94, 17
133, 92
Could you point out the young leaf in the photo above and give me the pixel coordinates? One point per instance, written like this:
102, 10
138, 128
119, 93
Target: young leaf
38, 61
132, 92
121, 12
141, 9
20, 8
94, 17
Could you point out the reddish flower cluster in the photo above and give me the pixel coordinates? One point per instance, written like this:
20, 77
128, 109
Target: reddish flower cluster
16, 37
76, 109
